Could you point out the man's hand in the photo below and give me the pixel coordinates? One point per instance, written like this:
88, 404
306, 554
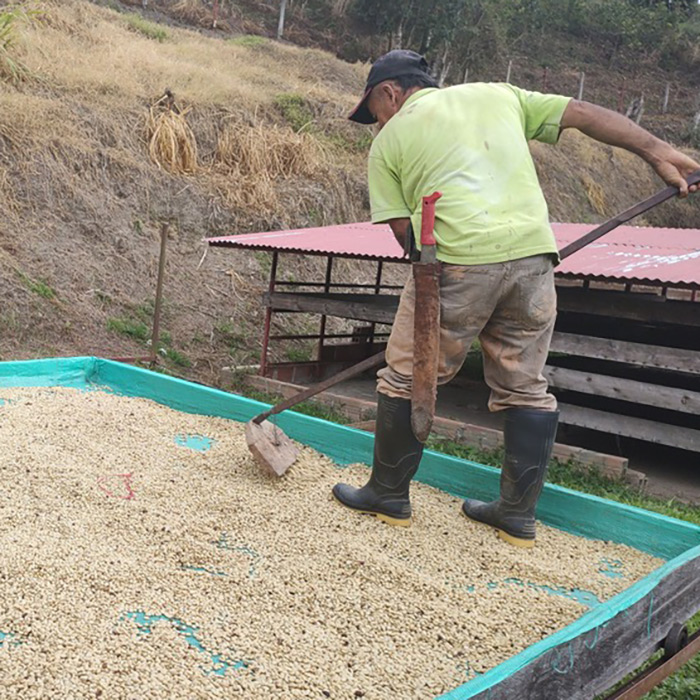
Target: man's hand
673, 167
613, 128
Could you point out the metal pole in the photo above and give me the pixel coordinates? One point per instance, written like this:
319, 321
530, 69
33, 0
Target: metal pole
510, 67
641, 684
155, 338
544, 79
581, 80
268, 316
326, 289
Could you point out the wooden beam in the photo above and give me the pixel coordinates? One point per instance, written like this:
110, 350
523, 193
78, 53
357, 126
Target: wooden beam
376, 308
639, 428
624, 389
654, 356
650, 308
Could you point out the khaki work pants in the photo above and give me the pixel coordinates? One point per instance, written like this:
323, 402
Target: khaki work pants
510, 307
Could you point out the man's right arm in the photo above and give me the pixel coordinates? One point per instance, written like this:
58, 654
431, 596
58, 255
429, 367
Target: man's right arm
615, 129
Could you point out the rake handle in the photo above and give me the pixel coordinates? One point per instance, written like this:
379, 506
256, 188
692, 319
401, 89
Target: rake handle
348, 373
625, 216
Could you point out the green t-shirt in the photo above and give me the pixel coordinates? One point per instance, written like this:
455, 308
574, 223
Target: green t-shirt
470, 143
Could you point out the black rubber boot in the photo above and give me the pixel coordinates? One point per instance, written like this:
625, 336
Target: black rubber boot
397, 455
529, 439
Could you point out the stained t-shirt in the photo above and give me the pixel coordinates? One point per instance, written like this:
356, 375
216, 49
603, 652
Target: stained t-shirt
469, 142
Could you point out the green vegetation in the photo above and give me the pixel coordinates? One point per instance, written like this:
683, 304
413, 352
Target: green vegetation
143, 26
458, 34
228, 333
138, 327
298, 354
136, 330
12, 69
249, 41
39, 286
295, 109
177, 358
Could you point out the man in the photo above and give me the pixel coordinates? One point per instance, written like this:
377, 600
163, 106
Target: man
470, 142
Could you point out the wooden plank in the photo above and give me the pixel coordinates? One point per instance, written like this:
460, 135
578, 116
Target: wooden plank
638, 307
376, 308
594, 661
631, 353
640, 428
624, 389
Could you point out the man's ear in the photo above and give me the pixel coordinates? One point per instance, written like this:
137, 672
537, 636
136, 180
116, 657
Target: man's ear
391, 93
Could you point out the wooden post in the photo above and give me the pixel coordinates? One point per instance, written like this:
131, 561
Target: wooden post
326, 289
640, 111
510, 68
155, 337
667, 93
621, 98
280, 24
268, 316
581, 80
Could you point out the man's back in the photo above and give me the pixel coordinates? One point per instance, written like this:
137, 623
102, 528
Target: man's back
470, 143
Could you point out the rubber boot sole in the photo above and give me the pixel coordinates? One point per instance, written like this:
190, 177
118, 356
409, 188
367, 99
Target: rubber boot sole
505, 536
388, 519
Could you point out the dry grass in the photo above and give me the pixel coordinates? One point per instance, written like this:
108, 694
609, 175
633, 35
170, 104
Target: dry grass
267, 151
84, 47
172, 145
595, 194
197, 12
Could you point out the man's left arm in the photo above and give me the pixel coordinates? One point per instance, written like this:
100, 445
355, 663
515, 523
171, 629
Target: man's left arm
400, 228
613, 128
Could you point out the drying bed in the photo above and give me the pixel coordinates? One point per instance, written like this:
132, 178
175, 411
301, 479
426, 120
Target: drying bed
196, 575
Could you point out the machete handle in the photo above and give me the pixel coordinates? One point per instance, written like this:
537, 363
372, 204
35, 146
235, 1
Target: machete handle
427, 227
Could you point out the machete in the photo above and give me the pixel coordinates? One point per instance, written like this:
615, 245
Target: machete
426, 324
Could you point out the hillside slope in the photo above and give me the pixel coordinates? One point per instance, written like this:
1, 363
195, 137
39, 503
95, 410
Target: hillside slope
84, 200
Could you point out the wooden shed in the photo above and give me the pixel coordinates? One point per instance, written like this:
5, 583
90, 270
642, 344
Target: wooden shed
626, 351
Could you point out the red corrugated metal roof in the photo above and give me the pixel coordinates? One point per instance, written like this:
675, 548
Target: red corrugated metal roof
363, 240
634, 253
630, 253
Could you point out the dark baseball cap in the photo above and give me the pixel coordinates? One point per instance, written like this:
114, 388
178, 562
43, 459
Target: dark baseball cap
394, 64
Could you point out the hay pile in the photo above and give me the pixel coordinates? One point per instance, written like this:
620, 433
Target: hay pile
172, 145
143, 554
254, 158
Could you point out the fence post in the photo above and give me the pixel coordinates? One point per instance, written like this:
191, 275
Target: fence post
621, 98
280, 24
155, 337
581, 80
510, 67
666, 96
